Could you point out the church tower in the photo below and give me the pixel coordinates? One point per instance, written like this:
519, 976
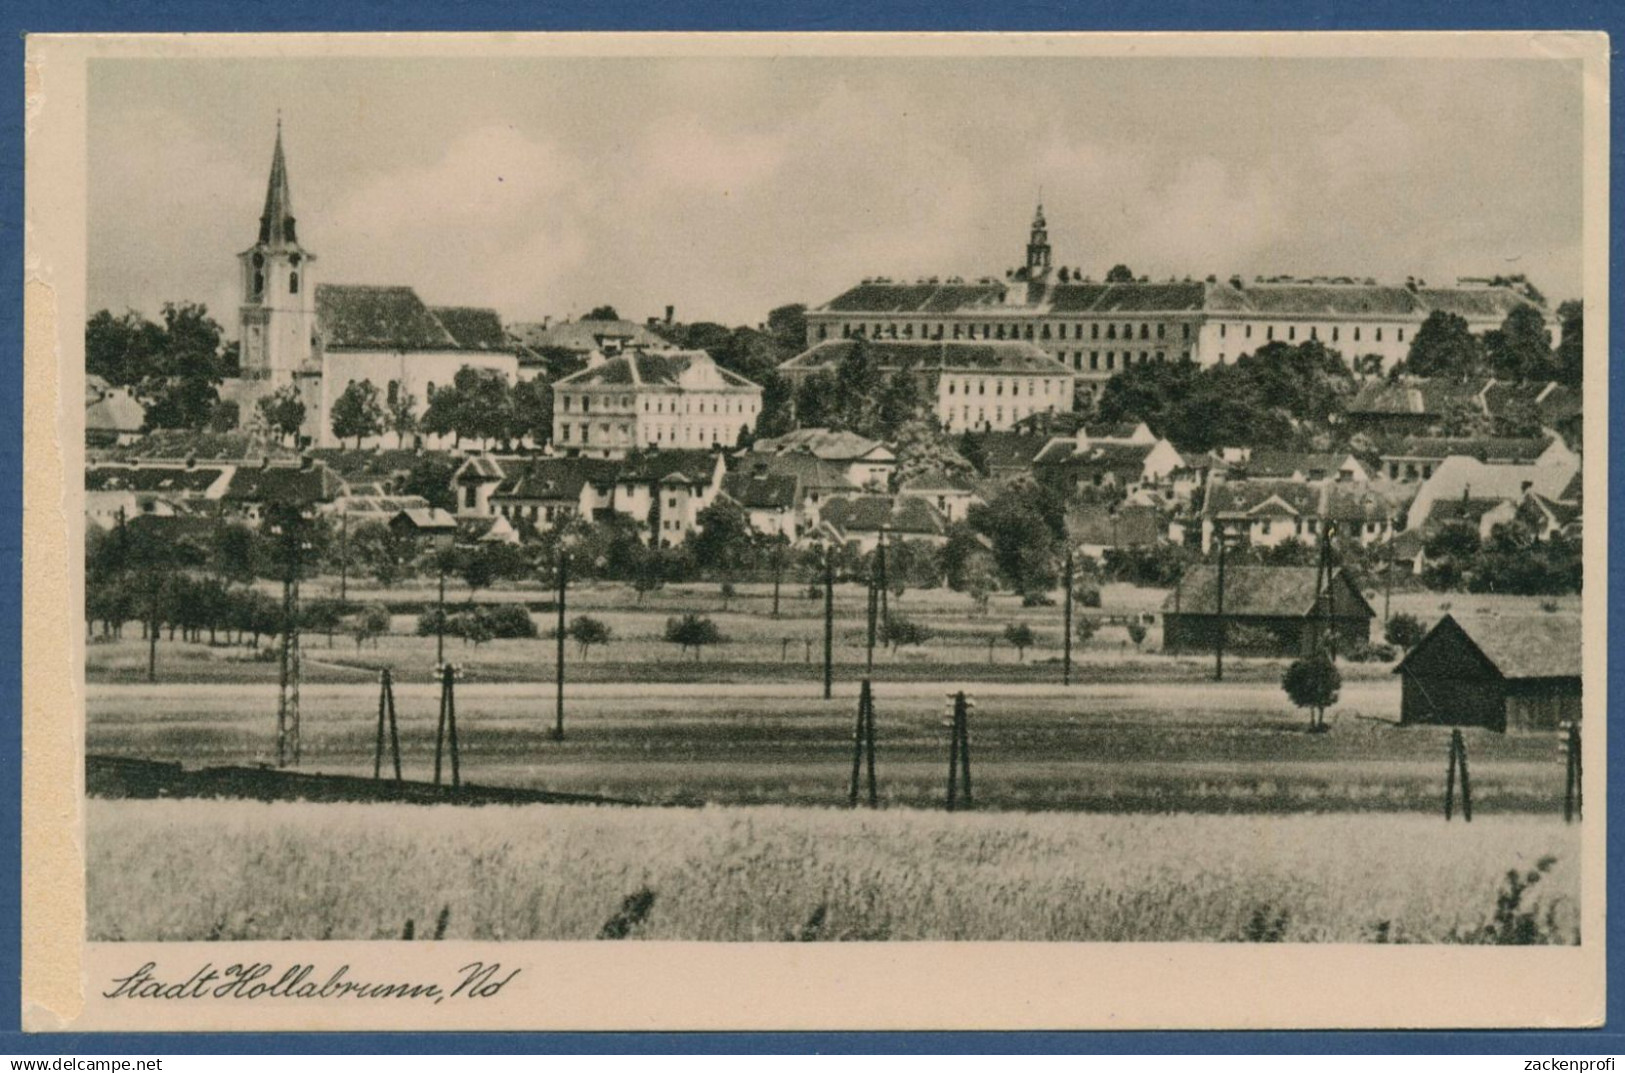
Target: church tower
278, 313
1038, 246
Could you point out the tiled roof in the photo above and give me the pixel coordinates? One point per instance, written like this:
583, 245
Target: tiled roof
1459, 474
473, 328
586, 335
478, 469
431, 519
821, 443
115, 411
1472, 302
353, 317
284, 484
1483, 448
1009, 450
1286, 463
1348, 502
904, 515
813, 473
563, 478
1126, 460
1245, 497
1562, 513
914, 297
181, 444
150, 479
1129, 526
1248, 590
663, 369
970, 357
938, 481
1420, 395
1470, 510
377, 504
358, 467
761, 491
1519, 646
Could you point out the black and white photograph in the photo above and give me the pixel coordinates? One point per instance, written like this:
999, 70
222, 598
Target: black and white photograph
930, 494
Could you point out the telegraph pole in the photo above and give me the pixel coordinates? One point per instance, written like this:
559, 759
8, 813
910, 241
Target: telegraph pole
1388, 575
564, 573
829, 622
440, 614
1219, 636
344, 558
1066, 660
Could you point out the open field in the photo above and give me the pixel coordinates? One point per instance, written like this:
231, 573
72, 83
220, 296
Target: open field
760, 648
289, 871
1147, 747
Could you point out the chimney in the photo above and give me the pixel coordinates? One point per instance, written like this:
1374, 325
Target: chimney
671, 311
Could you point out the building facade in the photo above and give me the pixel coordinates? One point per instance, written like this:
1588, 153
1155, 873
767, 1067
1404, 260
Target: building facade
1098, 329
637, 400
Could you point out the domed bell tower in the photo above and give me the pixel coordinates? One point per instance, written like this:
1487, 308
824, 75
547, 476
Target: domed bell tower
1038, 246
278, 313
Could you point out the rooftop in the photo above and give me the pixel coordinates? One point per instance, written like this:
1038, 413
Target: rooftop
968, 357
1519, 646
1249, 590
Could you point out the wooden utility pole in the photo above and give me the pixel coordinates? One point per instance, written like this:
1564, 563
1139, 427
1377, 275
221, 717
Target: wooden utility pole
440, 614
1220, 631
873, 611
446, 732
1573, 795
829, 623
386, 705
287, 710
959, 749
863, 747
344, 559
558, 690
884, 583
1388, 575
1066, 658
778, 573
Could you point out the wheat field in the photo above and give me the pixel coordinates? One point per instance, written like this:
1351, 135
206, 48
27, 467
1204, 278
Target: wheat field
174, 870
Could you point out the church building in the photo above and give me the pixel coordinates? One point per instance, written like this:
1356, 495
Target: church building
322, 337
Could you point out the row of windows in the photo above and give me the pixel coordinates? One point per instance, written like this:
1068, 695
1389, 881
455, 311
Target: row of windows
963, 386
624, 402
1314, 332
1029, 330
1108, 361
960, 417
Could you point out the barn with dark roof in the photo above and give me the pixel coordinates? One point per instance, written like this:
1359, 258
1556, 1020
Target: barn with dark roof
1519, 671
1276, 606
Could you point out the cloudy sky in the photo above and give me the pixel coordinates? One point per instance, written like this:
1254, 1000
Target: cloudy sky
729, 186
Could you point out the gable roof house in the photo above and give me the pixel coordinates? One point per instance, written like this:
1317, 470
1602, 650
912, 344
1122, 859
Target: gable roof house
663, 492
982, 385
582, 337
112, 415
1416, 457
953, 494
858, 520
1462, 478
770, 501
1094, 528
1494, 671
308, 487
1280, 604
868, 462
652, 401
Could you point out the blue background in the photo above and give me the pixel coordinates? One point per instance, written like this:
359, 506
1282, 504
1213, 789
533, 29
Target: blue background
62, 16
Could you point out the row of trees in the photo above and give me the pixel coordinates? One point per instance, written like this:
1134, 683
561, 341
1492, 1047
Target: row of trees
479, 405
173, 366
1512, 561
1520, 349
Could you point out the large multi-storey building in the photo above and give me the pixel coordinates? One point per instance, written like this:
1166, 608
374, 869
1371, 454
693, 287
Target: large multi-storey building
662, 400
1097, 329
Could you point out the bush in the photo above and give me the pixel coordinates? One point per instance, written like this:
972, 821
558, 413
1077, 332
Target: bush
1136, 633
1020, 636
508, 621
587, 631
1086, 596
1404, 630
1366, 652
1085, 628
429, 621
1314, 683
1037, 599
693, 631
901, 632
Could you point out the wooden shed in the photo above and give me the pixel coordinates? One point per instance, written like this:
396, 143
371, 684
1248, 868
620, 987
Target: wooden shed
1268, 611
1494, 672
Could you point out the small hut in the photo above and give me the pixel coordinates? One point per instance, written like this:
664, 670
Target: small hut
1494, 672
1268, 611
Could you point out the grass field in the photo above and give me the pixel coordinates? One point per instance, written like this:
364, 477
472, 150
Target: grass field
760, 648
288, 871
1197, 747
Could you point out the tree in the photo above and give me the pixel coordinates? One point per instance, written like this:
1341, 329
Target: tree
693, 631
484, 409
283, 412
901, 401
1020, 636
900, 632
226, 416
1404, 630
533, 410
788, 326
371, 623
1443, 346
381, 552
728, 593
725, 539
123, 350
401, 415
1569, 360
430, 477
603, 312
1313, 682
1120, 274
1521, 349
1085, 628
357, 412
587, 631
979, 582
444, 414
1136, 633
1024, 541
235, 554
180, 379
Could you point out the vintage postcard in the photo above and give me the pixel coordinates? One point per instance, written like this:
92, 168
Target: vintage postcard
810, 532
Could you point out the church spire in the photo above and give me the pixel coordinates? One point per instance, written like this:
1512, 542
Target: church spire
276, 222
1038, 250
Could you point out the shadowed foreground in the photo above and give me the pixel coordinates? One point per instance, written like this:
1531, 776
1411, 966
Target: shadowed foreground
168, 870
